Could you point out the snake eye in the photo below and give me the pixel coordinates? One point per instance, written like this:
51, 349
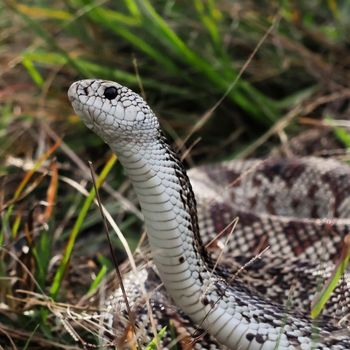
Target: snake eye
111, 92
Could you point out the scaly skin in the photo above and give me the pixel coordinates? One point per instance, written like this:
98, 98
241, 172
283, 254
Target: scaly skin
235, 315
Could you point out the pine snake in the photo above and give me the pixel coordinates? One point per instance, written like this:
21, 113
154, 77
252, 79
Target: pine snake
277, 202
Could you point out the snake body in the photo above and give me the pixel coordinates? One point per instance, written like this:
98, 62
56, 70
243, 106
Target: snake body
234, 314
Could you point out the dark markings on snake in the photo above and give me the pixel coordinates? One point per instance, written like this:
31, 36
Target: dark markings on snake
205, 301
250, 336
187, 197
260, 338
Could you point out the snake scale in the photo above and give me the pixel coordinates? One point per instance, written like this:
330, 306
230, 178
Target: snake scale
297, 207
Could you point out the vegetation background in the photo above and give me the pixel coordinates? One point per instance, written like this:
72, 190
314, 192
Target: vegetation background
227, 78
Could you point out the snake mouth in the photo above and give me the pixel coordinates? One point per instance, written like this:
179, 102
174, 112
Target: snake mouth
72, 92
88, 119
79, 107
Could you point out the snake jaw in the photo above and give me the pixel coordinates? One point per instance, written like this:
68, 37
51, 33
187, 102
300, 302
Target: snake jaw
77, 99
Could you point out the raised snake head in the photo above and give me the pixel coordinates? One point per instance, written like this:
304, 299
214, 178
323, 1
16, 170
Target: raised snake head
113, 111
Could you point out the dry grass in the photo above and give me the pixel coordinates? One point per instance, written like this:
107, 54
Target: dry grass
168, 51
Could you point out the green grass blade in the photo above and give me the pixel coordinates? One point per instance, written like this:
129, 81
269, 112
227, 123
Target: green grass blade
153, 344
55, 287
209, 17
98, 279
340, 133
42, 254
169, 35
331, 284
94, 69
40, 32
26, 345
245, 95
107, 19
33, 72
132, 7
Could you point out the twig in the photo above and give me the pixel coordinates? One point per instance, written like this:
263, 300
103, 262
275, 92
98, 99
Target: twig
114, 258
286, 119
210, 112
16, 333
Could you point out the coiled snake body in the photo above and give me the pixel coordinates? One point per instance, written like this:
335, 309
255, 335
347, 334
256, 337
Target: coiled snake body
236, 312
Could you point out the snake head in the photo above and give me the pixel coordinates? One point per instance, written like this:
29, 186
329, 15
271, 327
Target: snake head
113, 111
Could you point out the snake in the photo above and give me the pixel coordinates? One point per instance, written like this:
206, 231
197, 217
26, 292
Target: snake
234, 312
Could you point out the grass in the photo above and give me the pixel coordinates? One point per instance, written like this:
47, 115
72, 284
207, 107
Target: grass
76, 229
184, 57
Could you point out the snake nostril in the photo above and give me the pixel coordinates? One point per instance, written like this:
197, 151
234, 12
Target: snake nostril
86, 91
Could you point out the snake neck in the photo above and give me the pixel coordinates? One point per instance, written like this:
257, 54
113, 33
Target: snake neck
169, 208
188, 200
165, 195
